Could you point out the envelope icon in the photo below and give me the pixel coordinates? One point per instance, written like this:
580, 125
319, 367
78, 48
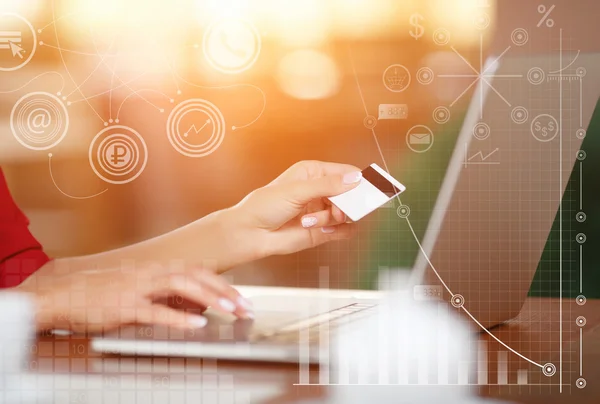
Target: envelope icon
419, 138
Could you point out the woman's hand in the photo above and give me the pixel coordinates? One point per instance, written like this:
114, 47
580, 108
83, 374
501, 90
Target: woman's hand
291, 213
96, 300
288, 215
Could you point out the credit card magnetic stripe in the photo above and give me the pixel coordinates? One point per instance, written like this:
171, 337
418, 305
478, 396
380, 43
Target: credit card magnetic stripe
380, 182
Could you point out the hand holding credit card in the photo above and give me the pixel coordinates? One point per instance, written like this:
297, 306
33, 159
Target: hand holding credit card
375, 189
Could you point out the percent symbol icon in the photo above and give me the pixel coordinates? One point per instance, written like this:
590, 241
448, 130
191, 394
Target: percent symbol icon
546, 14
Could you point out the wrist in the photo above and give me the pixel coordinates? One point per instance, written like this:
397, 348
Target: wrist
243, 242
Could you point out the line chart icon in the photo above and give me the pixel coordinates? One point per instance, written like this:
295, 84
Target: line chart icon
232, 46
196, 128
118, 154
18, 42
39, 121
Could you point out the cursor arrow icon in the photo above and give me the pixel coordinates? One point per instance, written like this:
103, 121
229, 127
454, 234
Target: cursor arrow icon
16, 50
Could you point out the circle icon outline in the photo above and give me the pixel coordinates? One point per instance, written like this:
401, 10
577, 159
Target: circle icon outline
430, 133
35, 41
53, 98
438, 32
405, 86
370, 122
514, 36
581, 300
514, 114
532, 79
196, 105
425, 71
482, 21
551, 138
486, 131
127, 130
249, 63
403, 211
581, 383
444, 118
458, 301
549, 369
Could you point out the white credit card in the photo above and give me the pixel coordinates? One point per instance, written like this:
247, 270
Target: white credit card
376, 188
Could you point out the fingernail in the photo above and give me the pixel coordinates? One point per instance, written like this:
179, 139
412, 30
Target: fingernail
309, 221
245, 303
250, 315
227, 305
352, 177
327, 230
198, 321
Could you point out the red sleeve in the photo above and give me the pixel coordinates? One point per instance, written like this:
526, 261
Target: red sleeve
20, 253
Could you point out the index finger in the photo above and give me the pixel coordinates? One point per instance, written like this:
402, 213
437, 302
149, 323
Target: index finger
313, 169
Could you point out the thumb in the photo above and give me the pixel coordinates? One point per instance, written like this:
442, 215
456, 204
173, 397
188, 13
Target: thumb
330, 185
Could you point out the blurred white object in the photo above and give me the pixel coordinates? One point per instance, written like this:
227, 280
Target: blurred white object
16, 323
409, 352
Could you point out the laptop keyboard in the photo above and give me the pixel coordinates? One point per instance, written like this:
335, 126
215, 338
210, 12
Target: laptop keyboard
331, 320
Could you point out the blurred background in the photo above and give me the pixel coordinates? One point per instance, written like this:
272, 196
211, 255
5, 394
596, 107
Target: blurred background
132, 61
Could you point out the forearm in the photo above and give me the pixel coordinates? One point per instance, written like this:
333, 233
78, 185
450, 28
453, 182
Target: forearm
213, 242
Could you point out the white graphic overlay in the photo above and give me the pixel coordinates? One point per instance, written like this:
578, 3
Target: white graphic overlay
232, 46
396, 78
196, 128
118, 154
544, 127
18, 42
39, 121
419, 138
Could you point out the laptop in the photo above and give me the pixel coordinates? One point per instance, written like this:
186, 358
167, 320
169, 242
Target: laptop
487, 232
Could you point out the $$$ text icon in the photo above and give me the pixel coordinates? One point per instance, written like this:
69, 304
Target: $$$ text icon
544, 127
39, 121
18, 42
231, 46
118, 154
196, 128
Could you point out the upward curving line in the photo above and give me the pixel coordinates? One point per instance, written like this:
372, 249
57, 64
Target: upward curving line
60, 18
65, 50
137, 93
63, 192
123, 84
263, 95
567, 66
102, 58
35, 78
62, 58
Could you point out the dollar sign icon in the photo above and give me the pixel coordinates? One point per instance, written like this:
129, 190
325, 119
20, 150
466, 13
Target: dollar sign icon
418, 30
